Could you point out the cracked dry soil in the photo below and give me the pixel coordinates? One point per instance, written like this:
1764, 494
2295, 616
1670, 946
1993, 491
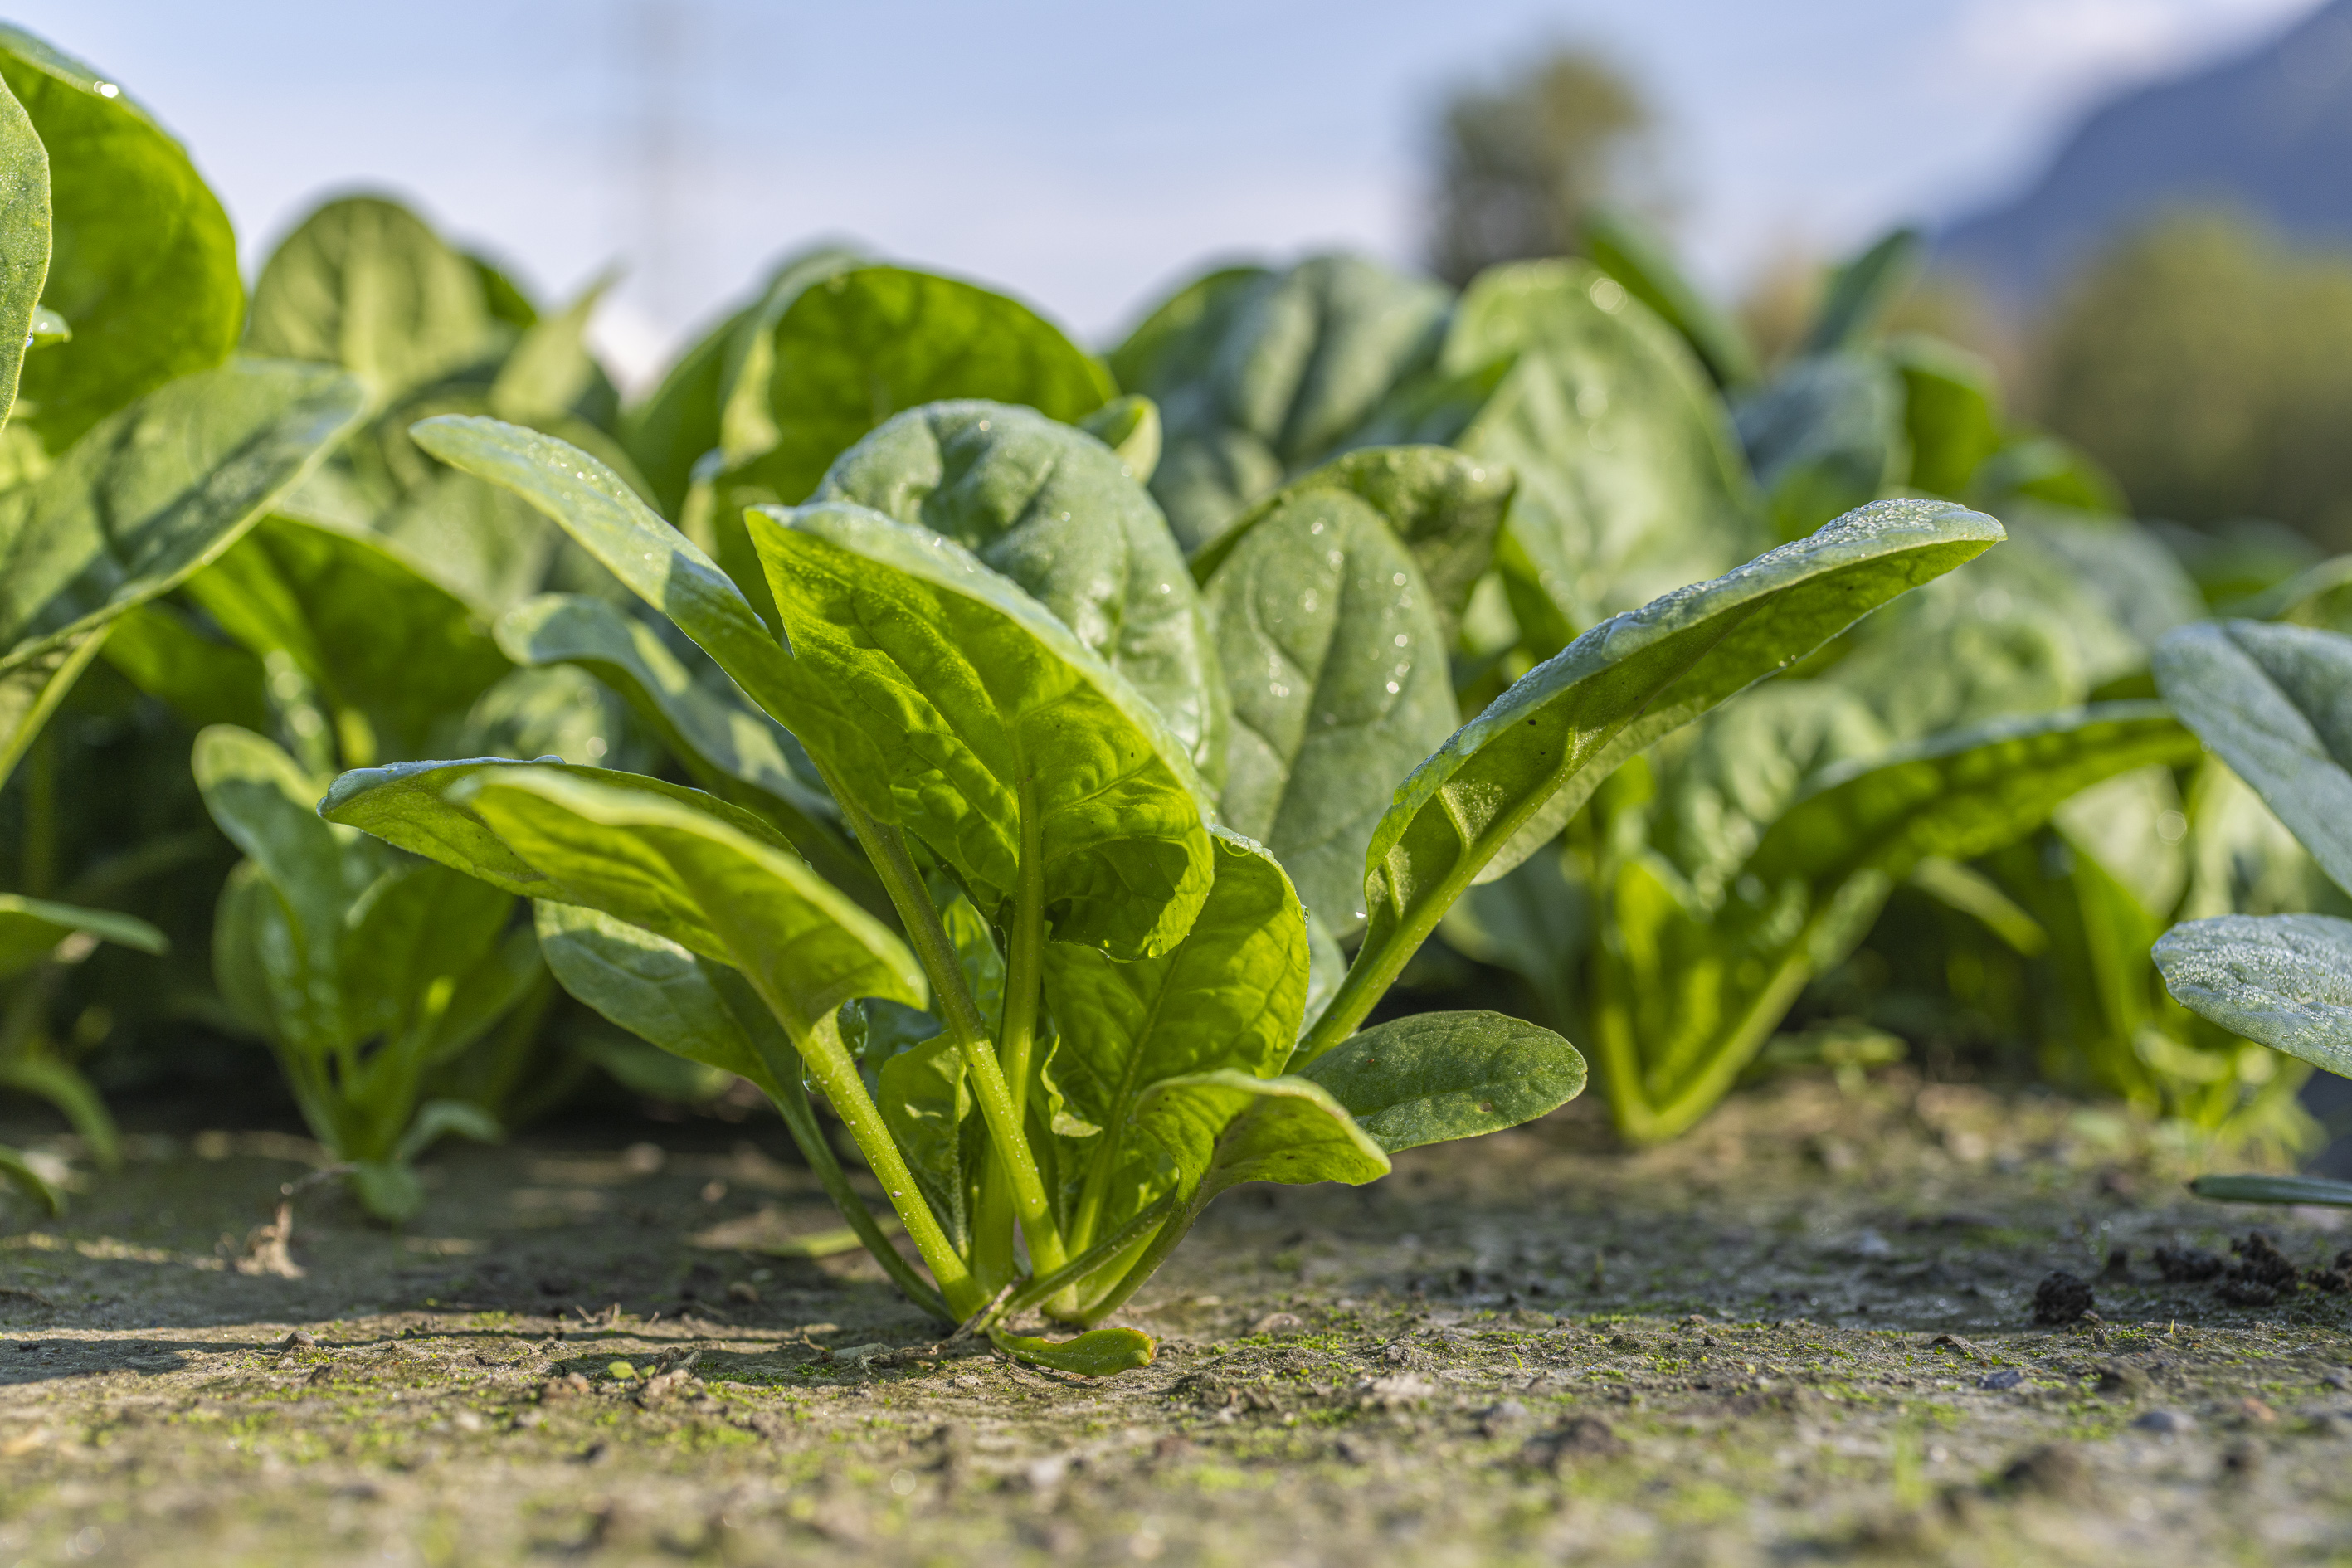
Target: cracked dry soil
1805, 1330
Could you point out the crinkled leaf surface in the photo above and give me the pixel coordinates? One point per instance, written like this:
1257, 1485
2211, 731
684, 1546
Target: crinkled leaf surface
2282, 980
1331, 647
2271, 699
155, 492
1432, 1077
1058, 512
929, 683
143, 265
1629, 481
1258, 375
366, 284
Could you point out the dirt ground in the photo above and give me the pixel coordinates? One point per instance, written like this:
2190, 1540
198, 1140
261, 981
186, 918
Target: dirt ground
1807, 1331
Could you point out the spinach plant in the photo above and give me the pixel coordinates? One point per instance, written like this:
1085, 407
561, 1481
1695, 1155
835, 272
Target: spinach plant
362, 967
1116, 986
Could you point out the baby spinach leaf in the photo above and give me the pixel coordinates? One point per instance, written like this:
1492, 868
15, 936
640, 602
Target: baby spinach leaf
860, 345
156, 492
30, 930
1432, 1077
1445, 508
142, 264
1629, 481
2268, 698
2282, 980
1626, 250
1230, 996
366, 284
23, 245
552, 373
1289, 1129
1261, 374
162, 651
1331, 647
1506, 782
1054, 509
33, 687
920, 678
1129, 427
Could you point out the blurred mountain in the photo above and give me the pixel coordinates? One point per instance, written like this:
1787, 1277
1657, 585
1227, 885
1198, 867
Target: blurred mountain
2268, 134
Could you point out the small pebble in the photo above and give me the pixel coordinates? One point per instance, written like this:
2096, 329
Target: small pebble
2166, 1423
2007, 1377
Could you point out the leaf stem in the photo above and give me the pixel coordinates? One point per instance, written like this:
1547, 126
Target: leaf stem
887, 847
792, 1100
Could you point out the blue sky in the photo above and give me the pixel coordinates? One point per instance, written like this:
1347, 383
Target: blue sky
1083, 155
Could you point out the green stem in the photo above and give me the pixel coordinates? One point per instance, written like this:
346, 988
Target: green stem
1170, 1234
836, 1072
1025, 958
1072, 1273
1699, 1093
887, 847
799, 1120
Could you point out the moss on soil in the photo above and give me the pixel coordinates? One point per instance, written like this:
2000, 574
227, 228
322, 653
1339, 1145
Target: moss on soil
1803, 1330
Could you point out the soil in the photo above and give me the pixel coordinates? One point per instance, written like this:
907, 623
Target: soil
1807, 1330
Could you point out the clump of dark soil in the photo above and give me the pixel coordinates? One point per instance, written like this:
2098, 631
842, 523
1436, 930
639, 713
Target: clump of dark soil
2188, 1265
2060, 1299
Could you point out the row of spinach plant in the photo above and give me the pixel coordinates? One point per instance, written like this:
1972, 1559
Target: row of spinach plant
1045, 765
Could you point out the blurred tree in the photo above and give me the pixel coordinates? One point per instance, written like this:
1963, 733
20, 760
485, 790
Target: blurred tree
1517, 164
2209, 367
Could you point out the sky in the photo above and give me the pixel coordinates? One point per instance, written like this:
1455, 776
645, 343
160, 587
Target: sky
1085, 156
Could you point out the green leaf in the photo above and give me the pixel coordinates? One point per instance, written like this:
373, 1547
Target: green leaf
2282, 980
33, 688
1054, 511
1630, 483
1625, 249
1861, 291
1130, 427
1331, 647
1507, 780
857, 346
1443, 507
366, 284
1824, 436
2269, 699
1433, 1077
1098, 1353
1951, 411
1229, 996
1234, 1128
396, 657
31, 929
142, 263
160, 650
2321, 1190
23, 247
652, 988
935, 690
1963, 795
1176, 340
1260, 374
156, 492
261, 799
925, 1101
688, 874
